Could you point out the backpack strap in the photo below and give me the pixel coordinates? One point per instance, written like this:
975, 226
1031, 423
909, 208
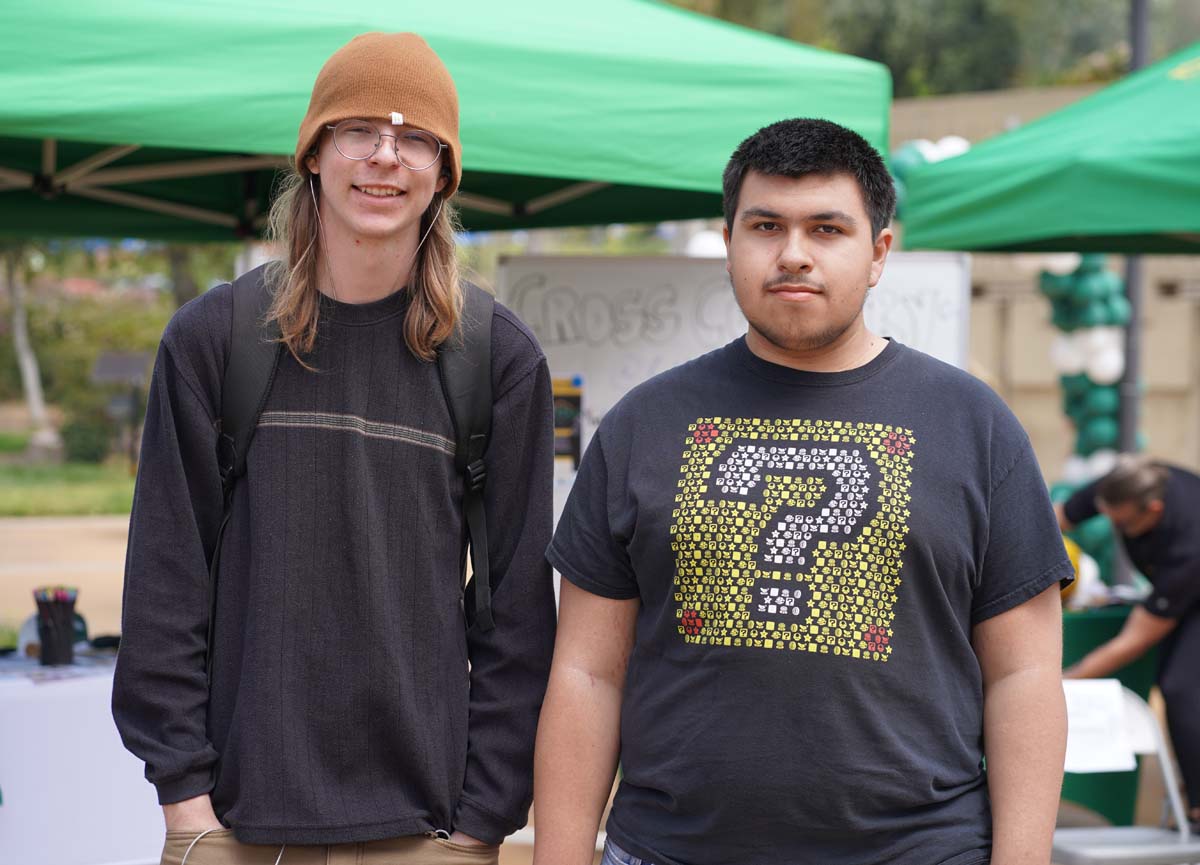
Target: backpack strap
465, 367
249, 371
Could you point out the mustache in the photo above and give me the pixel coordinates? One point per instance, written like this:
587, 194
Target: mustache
793, 281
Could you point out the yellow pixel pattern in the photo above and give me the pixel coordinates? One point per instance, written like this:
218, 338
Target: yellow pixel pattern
788, 534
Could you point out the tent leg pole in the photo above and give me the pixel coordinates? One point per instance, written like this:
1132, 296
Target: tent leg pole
1130, 391
1130, 397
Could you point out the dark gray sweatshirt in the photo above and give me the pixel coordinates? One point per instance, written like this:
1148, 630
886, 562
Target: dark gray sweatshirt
348, 700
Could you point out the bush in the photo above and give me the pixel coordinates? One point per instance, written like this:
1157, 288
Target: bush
87, 438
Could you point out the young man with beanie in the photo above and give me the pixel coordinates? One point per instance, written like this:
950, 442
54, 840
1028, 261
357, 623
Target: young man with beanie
336, 701
811, 578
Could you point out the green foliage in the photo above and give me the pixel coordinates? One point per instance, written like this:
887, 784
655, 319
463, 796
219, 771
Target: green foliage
69, 333
133, 263
931, 46
64, 490
957, 46
87, 438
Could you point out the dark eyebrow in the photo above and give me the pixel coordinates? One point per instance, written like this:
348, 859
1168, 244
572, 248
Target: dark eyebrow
825, 216
759, 213
833, 216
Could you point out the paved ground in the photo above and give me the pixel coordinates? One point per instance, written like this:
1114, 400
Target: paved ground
87, 552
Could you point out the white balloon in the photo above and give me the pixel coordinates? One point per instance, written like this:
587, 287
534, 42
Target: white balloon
1075, 470
927, 149
1065, 355
1106, 368
1103, 339
1101, 463
1061, 263
952, 145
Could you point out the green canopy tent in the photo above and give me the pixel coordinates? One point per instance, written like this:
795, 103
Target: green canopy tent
169, 120
1117, 172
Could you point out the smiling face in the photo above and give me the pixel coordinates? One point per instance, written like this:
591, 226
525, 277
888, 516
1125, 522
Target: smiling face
802, 256
375, 198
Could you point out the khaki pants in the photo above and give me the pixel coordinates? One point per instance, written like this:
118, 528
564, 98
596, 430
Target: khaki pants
221, 848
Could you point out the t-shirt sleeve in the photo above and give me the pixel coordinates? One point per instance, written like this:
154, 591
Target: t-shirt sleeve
590, 545
1176, 588
1025, 553
1081, 506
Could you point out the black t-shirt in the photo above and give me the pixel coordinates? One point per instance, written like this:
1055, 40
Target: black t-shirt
1168, 554
811, 551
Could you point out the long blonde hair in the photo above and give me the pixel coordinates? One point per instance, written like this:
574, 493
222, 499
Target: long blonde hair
435, 294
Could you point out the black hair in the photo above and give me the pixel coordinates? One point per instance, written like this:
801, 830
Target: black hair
795, 148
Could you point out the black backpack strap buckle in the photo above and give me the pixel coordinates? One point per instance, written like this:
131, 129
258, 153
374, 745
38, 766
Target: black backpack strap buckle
476, 476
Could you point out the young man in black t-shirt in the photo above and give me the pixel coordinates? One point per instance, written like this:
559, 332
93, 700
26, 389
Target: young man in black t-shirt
1153, 508
807, 576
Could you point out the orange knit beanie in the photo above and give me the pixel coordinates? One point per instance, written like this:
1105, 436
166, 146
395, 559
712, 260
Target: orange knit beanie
376, 74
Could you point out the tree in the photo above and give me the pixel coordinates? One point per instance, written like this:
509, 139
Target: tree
183, 284
45, 439
954, 46
931, 46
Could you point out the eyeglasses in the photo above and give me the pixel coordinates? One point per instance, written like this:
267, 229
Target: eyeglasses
359, 139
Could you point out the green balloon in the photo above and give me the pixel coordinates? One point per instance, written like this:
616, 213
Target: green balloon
1061, 491
905, 158
1101, 400
1092, 535
1056, 286
1075, 386
1090, 287
1113, 284
901, 195
1083, 444
1118, 309
1062, 317
1079, 409
1094, 315
1101, 432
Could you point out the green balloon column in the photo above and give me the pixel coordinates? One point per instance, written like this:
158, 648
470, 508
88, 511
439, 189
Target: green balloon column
1089, 307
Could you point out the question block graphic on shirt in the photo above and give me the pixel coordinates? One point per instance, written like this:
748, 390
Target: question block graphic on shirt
788, 534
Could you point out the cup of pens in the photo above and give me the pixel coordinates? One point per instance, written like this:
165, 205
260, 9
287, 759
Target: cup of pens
56, 624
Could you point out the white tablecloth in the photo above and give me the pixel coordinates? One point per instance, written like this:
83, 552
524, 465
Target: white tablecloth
72, 794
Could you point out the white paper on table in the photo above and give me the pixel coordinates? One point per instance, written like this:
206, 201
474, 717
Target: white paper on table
1096, 739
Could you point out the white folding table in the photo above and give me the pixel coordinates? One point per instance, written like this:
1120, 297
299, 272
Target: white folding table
72, 794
